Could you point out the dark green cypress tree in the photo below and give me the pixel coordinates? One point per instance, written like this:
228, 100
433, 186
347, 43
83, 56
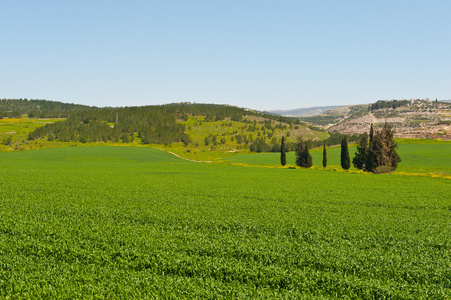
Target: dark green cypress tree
360, 155
283, 157
371, 132
345, 160
370, 156
324, 156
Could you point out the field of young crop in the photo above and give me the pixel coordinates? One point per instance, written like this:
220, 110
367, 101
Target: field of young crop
128, 222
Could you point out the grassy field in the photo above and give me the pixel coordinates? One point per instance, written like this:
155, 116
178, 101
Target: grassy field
129, 222
17, 130
418, 157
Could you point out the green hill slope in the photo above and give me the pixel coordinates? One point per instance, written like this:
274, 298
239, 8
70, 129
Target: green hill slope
211, 130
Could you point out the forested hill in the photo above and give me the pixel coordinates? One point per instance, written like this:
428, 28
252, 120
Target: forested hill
14, 108
160, 124
217, 112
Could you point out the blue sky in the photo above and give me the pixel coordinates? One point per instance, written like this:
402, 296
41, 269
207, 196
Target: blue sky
257, 54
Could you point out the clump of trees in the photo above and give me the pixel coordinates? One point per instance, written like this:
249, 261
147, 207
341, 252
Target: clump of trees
388, 104
377, 152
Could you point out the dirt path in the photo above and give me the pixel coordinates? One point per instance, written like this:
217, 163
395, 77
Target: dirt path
372, 117
188, 159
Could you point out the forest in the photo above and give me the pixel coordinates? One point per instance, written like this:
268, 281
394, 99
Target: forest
152, 124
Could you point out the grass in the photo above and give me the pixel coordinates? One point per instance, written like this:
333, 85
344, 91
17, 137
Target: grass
18, 130
425, 157
197, 128
129, 222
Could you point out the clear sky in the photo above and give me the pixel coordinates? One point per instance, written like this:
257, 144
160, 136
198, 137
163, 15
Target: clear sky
261, 54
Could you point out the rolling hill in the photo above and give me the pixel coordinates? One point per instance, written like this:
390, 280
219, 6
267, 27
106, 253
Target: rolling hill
201, 131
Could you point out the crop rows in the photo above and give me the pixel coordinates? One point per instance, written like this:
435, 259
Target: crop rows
106, 222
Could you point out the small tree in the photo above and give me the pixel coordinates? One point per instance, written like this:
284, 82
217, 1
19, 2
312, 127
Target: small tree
345, 160
324, 156
303, 157
360, 155
283, 157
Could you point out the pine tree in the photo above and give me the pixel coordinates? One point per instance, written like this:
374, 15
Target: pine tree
324, 156
381, 154
345, 160
303, 157
360, 155
283, 157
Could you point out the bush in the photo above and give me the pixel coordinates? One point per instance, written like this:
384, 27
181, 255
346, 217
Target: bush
383, 169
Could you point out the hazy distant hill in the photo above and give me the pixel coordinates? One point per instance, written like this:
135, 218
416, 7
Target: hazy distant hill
302, 112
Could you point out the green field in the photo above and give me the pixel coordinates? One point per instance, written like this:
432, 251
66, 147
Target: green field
128, 222
417, 157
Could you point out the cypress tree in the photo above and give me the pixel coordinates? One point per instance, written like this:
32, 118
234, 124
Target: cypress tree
360, 155
345, 160
371, 132
283, 157
324, 156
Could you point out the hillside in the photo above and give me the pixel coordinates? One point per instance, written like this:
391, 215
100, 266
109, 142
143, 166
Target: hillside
411, 118
199, 131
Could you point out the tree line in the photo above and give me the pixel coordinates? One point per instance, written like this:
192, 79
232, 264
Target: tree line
335, 138
388, 104
39, 108
376, 152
